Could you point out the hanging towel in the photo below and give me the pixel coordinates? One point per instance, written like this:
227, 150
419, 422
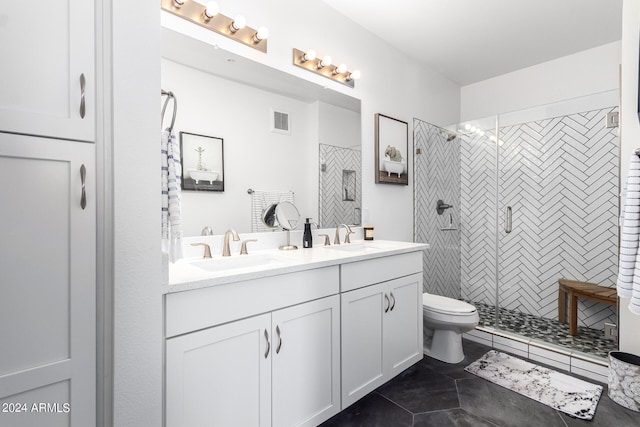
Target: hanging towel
171, 209
629, 270
260, 200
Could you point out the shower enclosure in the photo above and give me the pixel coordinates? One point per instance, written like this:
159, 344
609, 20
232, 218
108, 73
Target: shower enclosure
534, 198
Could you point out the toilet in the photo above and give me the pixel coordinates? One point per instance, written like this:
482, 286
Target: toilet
445, 320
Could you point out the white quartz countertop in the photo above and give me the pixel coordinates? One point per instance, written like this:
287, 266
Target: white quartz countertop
195, 273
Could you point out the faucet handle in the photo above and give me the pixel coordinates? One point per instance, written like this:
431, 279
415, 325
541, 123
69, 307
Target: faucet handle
243, 249
207, 249
327, 241
346, 236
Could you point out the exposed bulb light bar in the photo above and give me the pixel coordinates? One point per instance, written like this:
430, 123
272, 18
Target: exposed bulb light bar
209, 17
323, 66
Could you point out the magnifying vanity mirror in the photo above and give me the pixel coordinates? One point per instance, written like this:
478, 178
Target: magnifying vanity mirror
282, 215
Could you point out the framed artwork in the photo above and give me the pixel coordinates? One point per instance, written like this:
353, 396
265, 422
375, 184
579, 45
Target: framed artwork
202, 162
392, 148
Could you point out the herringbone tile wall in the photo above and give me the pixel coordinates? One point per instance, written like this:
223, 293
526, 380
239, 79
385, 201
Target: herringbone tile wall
333, 209
560, 176
437, 176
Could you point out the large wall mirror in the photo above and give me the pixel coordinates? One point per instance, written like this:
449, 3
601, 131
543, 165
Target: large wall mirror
237, 100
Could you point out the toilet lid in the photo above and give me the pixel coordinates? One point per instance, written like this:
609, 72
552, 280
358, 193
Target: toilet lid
442, 304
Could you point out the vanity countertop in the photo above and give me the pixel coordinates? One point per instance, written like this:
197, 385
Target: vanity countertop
189, 274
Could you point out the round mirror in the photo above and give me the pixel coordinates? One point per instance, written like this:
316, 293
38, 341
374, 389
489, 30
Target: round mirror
269, 218
287, 215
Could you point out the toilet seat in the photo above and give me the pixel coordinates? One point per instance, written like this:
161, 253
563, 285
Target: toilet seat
444, 305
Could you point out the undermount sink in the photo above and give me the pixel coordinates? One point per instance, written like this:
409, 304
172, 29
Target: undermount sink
236, 261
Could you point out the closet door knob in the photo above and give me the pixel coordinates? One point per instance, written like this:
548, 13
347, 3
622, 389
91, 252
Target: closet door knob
82, 102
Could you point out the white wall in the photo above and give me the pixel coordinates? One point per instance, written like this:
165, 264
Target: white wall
134, 37
391, 84
584, 73
254, 157
340, 127
630, 140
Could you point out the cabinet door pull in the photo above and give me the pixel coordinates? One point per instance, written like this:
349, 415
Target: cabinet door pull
394, 301
266, 335
83, 83
279, 339
388, 303
83, 176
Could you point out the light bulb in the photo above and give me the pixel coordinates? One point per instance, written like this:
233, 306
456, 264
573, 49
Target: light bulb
342, 68
210, 11
309, 55
178, 3
325, 61
354, 75
261, 34
239, 22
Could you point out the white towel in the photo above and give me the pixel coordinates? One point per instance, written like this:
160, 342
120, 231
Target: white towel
629, 269
170, 170
260, 200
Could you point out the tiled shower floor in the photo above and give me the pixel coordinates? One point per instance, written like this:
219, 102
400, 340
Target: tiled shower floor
590, 341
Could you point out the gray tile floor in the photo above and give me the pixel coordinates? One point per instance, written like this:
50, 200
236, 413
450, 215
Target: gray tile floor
434, 393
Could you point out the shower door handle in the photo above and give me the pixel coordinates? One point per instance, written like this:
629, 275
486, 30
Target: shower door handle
507, 220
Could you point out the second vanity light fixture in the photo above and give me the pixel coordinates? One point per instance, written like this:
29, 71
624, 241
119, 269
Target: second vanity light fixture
209, 16
323, 66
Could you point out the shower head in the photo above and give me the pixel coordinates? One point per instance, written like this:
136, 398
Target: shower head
449, 135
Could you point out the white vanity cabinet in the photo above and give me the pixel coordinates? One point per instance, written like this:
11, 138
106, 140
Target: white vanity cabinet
381, 321
279, 368
46, 47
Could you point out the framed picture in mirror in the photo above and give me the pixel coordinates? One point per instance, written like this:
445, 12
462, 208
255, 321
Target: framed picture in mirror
391, 150
202, 159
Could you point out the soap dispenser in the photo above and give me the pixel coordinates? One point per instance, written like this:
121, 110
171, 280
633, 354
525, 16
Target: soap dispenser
307, 240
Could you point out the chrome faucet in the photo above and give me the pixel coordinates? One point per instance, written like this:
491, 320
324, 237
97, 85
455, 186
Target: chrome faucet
207, 231
336, 240
225, 246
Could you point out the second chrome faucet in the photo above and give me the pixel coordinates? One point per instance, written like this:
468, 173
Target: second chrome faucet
336, 240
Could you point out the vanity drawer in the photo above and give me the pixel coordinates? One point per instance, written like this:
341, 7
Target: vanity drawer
202, 308
359, 274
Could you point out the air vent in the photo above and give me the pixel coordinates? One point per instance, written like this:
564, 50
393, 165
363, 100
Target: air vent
280, 122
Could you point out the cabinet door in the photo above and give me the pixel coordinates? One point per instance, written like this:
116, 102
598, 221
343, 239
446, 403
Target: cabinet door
46, 47
403, 324
306, 363
362, 341
47, 282
220, 376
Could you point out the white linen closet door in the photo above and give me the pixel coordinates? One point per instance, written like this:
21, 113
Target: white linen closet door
47, 282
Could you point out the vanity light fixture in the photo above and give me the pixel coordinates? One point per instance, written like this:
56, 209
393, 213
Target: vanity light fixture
324, 62
209, 16
323, 66
210, 11
309, 55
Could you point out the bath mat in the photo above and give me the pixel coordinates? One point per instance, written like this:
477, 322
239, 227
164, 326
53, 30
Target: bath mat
572, 396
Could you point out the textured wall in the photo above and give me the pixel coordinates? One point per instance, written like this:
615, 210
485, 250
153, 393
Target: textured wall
333, 209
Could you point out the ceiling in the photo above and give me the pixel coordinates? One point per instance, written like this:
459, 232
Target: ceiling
472, 40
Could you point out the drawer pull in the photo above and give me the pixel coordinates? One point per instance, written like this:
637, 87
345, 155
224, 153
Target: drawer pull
266, 335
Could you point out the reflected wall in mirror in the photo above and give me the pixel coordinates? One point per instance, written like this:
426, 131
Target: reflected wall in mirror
391, 149
233, 97
202, 160
340, 186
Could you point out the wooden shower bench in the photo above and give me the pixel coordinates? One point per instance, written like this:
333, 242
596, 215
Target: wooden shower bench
583, 290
